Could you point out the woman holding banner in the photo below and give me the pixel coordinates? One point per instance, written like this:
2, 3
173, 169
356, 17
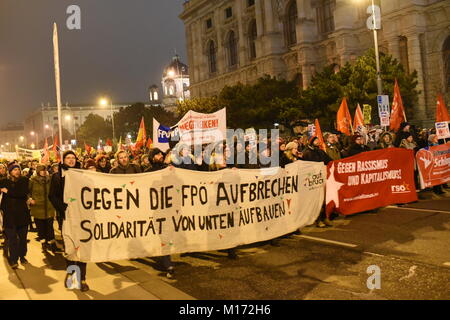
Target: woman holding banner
56, 197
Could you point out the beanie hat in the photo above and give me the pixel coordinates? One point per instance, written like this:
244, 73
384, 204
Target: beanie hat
66, 153
12, 166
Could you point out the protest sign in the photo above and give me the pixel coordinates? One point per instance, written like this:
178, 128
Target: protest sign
202, 128
367, 111
114, 217
29, 154
370, 180
442, 130
161, 136
434, 165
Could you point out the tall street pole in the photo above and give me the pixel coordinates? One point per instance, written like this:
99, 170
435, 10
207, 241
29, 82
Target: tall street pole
377, 52
58, 83
112, 118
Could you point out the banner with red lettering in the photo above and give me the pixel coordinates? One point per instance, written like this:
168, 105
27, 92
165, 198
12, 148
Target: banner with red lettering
202, 128
370, 180
434, 165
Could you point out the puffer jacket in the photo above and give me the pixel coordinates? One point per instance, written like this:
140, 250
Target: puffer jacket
14, 203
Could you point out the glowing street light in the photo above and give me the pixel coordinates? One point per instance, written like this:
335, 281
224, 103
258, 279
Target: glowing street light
103, 102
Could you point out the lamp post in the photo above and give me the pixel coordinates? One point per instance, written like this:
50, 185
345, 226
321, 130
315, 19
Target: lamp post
104, 102
68, 118
377, 52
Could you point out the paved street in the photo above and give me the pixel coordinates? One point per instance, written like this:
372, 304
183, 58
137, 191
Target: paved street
409, 244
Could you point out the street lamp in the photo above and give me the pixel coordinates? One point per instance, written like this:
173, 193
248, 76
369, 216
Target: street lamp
47, 127
376, 13
35, 135
68, 118
104, 102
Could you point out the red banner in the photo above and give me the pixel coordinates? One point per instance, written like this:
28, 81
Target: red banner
434, 165
370, 180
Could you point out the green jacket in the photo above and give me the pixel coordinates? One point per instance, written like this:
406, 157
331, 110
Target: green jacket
39, 189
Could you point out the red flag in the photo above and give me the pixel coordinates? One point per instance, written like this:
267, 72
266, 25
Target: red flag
344, 119
56, 148
88, 148
142, 136
46, 156
441, 110
109, 142
320, 136
359, 118
149, 143
398, 112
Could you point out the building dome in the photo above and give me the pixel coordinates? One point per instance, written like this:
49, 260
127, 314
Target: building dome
177, 67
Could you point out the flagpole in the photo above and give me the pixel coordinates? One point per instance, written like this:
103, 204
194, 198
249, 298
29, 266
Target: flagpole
57, 81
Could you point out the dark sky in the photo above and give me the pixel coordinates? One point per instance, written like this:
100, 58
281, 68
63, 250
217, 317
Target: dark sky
121, 49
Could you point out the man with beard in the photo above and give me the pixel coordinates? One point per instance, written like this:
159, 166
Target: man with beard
156, 158
56, 197
124, 166
16, 214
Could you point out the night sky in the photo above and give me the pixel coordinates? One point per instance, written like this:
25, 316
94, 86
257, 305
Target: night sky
121, 49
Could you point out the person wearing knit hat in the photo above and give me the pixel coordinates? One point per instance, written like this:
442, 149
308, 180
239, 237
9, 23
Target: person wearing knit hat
16, 216
42, 209
408, 142
56, 196
102, 164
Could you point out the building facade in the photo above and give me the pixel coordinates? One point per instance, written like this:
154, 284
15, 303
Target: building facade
230, 41
12, 135
43, 122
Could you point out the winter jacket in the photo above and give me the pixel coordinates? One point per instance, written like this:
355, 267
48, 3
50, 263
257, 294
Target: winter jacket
384, 145
407, 145
39, 191
333, 152
316, 154
355, 149
129, 169
14, 203
56, 193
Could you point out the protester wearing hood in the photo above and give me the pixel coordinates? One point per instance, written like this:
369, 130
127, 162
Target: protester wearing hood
124, 166
314, 153
405, 129
386, 141
102, 164
16, 214
56, 196
145, 163
408, 142
42, 209
356, 147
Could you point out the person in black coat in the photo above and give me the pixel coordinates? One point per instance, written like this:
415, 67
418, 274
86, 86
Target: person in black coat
16, 214
356, 146
314, 153
56, 197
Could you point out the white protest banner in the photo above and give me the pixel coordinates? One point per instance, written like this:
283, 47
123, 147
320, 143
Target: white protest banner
202, 128
114, 217
161, 136
442, 130
29, 154
10, 156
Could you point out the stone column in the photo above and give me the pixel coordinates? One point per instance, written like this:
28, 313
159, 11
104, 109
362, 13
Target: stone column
394, 47
242, 41
259, 27
415, 63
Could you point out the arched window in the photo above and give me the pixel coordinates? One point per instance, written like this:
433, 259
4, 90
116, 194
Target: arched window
232, 49
291, 23
252, 35
446, 57
212, 59
155, 96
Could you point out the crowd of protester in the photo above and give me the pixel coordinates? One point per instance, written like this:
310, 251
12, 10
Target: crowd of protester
33, 193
